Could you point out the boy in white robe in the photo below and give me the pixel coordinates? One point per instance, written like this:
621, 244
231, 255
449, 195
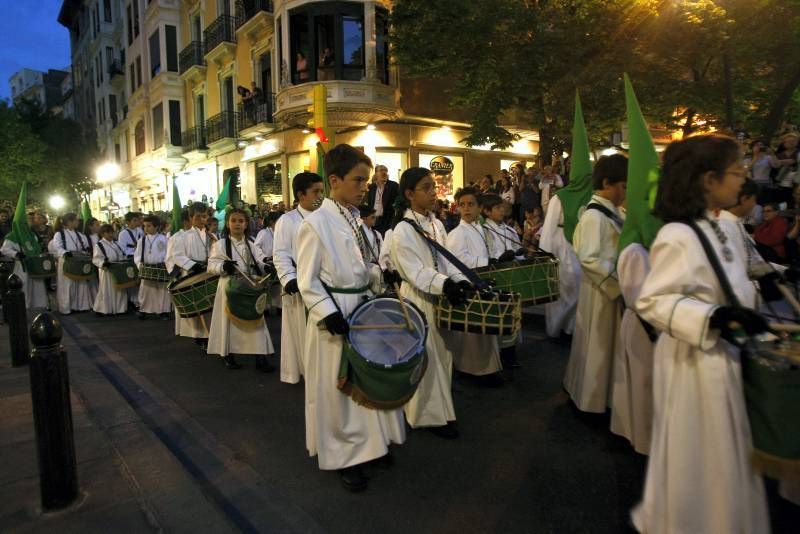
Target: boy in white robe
230, 256
589, 374
265, 241
425, 275
373, 237
128, 237
72, 295
34, 289
151, 249
333, 277
174, 271
308, 189
474, 354
109, 300
190, 253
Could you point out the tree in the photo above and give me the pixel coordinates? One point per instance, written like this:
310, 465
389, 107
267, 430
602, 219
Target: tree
21, 153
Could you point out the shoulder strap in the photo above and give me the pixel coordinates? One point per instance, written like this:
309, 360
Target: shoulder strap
102, 249
228, 248
144, 242
605, 211
471, 275
63, 239
256, 266
130, 233
715, 264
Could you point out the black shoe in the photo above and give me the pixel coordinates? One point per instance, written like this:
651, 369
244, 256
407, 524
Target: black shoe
384, 462
142, 316
96, 314
493, 380
230, 362
263, 365
353, 478
448, 431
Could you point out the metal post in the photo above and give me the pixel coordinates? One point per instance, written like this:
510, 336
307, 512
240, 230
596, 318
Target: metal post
16, 316
52, 414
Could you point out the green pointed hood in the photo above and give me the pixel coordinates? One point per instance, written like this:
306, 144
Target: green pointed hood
643, 164
21, 233
579, 190
177, 225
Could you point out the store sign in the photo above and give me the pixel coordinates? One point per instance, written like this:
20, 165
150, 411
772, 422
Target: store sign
442, 165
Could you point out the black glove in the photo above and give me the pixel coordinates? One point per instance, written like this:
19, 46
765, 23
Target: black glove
197, 268
731, 321
768, 284
68, 254
466, 285
336, 324
229, 266
508, 255
493, 261
391, 278
269, 269
454, 293
106, 264
520, 252
291, 287
792, 274
21, 256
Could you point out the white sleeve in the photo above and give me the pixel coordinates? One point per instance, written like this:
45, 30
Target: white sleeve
179, 254
458, 246
632, 268
282, 251
408, 251
589, 240
309, 262
137, 254
217, 257
97, 257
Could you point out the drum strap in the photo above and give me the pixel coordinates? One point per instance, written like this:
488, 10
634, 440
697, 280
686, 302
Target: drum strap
607, 212
144, 242
471, 275
727, 289
102, 249
229, 253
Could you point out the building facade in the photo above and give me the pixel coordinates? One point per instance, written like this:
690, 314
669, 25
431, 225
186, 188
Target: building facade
43, 87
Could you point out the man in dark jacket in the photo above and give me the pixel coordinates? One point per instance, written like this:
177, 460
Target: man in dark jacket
381, 197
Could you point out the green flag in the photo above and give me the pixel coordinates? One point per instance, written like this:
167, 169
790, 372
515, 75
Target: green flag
321, 169
579, 189
224, 196
21, 233
177, 225
643, 163
86, 211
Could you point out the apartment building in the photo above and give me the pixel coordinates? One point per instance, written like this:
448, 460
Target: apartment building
43, 87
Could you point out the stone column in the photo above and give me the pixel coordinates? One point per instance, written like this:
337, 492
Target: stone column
370, 41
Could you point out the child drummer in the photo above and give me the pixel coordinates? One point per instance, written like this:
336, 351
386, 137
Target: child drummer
151, 249
234, 255
72, 295
474, 354
110, 300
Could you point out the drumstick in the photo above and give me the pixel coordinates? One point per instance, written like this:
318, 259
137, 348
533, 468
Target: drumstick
409, 325
205, 326
784, 327
241, 271
378, 327
790, 298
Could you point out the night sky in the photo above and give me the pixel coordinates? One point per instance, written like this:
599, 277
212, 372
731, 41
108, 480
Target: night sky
30, 36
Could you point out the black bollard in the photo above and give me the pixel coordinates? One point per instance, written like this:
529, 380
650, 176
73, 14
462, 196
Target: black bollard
17, 318
52, 414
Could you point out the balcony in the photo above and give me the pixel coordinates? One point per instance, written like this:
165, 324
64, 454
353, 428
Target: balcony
256, 116
191, 64
221, 129
350, 103
193, 139
116, 74
254, 18
220, 40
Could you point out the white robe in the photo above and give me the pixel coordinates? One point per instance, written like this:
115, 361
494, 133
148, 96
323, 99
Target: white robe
109, 299
474, 354
560, 315
226, 336
153, 296
169, 263
339, 431
588, 378
73, 295
127, 239
34, 289
193, 246
374, 242
632, 397
699, 477
432, 404
385, 258
265, 241
293, 311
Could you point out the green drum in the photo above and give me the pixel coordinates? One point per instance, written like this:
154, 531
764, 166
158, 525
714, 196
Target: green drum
490, 313
245, 301
194, 295
771, 376
535, 279
154, 272
124, 274
42, 266
79, 267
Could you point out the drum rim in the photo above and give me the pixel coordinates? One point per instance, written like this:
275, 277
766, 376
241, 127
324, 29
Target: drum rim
208, 275
406, 302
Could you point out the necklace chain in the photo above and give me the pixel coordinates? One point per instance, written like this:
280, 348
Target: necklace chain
727, 253
356, 229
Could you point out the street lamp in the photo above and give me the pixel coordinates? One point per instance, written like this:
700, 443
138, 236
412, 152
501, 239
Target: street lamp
107, 173
57, 202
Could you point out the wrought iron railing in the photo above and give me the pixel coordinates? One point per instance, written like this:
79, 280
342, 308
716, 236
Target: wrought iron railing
221, 126
193, 139
256, 110
191, 56
219, 31
247, 9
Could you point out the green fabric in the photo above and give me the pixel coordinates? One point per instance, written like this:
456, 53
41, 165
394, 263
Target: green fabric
773, 407
347, 290
21, 233
176, 209
643, 163
326, 183
378, 386
245, 302
578, 191
86, 211
224, 196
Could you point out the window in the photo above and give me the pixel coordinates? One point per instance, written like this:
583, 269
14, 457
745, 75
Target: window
100, 68
171, 37
130, 24
227, 94
197, 28
300, 48
269, 184
112, 109
138, 137
155, 55
133, 79
138, 71
109, 57
158, 126
117, 153
135, 18
107, 10
175, 122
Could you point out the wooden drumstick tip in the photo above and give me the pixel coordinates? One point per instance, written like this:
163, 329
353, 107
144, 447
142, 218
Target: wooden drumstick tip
409, 324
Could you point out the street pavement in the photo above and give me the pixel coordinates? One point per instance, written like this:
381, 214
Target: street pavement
202, 447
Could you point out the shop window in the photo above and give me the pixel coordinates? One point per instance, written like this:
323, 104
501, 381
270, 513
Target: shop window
269, 181
394, 161
448, 172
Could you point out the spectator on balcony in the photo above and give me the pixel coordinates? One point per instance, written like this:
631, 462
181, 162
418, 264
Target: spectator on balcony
256, 93
302, 67
326, 65
244, 92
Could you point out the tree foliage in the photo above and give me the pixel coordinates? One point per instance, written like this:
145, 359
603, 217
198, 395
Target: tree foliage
518, 62
21, 153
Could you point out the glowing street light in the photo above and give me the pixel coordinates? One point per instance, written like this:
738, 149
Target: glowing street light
107, 172
57, 202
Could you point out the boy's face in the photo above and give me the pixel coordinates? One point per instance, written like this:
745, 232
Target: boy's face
496, 213
108, 236
212, 225
149, 228
351, 188
469, 208
94, 227
369, 221
236, 224
199, 219
423, 196
310, 198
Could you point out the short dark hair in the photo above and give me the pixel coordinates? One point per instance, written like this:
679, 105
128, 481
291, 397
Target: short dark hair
236, 211
749, 189
106, 228
365, 211
490, 200
341, 159
184, 215
681, 193
612, 169
302, 182
197, 207
467, 191
273, 216
211, 220
154, 220
131, 215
